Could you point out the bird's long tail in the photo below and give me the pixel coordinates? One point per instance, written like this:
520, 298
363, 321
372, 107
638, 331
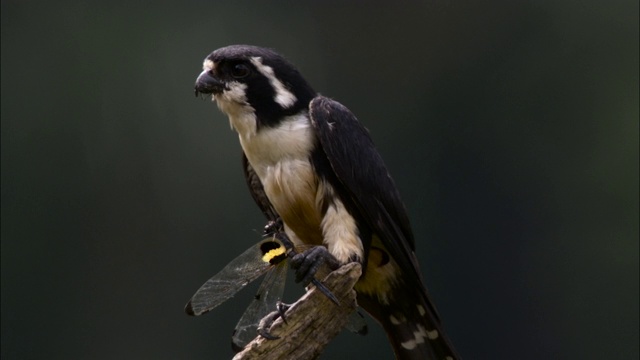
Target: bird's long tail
412, 326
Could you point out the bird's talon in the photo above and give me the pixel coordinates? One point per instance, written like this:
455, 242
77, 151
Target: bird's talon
282, 309
267, 321
309, 262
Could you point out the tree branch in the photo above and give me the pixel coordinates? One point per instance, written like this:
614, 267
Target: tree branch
312, 321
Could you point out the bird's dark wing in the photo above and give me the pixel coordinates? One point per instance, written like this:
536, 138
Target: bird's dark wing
257, 190
360, 169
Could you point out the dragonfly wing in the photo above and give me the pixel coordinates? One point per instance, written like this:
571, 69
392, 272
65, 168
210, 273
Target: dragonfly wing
269, 293
237, 274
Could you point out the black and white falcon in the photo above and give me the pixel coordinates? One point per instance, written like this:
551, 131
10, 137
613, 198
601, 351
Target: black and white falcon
310, 163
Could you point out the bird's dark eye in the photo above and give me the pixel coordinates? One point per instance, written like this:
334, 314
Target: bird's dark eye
240, 71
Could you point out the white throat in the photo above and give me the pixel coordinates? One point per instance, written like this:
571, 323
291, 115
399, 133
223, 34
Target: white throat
291, 139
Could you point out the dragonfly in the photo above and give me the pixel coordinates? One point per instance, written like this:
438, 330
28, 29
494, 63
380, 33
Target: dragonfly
267, 257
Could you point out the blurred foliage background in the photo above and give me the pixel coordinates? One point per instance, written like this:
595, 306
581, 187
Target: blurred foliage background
511, 129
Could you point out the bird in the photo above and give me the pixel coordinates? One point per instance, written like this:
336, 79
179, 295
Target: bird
310, 164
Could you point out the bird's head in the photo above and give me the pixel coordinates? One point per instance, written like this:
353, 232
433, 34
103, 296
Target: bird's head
252, 80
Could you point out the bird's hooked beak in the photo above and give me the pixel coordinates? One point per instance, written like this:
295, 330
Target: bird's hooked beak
207, 83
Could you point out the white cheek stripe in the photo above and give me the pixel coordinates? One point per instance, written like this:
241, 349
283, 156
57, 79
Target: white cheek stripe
284, 97
233, 102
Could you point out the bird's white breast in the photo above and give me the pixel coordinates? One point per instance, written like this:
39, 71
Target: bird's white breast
291, 141
280, 156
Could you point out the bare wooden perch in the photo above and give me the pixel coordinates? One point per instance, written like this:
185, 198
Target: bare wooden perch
311, 322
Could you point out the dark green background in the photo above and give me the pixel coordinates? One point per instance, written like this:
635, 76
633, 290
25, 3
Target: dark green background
511, 129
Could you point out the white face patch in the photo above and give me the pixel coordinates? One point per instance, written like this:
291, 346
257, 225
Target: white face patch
208, 65
233, 102
234, 92
284, 97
